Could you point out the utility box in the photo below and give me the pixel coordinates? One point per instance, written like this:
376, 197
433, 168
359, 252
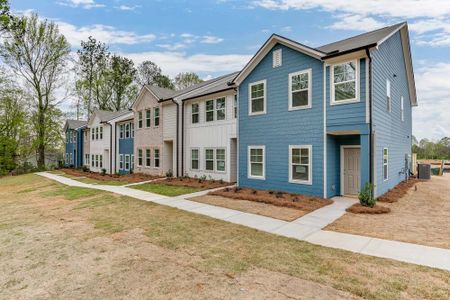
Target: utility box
424, 171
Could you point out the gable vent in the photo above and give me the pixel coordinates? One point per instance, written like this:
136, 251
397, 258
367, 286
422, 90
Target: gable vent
276, 58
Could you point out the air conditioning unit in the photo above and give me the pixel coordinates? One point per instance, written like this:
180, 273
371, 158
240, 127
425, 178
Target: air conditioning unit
424, 171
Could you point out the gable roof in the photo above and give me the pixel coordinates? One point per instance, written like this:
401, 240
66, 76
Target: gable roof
74, 124
220, 84
159, 92
105, 115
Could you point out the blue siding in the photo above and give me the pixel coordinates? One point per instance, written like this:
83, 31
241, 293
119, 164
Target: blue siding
70, 146
390, 131
279, 127
126, 147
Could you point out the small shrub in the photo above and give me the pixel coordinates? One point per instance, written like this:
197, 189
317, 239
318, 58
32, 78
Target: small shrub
365, 196
279, 194
103, 172
85, 169
169, 174
271, 192
236, 189
295, 199
221, 181
254, 192
226, 190
202, 178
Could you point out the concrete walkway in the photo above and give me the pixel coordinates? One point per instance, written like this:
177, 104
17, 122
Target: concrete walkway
306, 228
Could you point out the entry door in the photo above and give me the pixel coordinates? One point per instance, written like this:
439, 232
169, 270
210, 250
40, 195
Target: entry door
352, 177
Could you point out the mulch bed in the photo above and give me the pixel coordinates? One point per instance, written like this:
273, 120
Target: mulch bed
398, 191
301, 202
129, 178
376, 210
195, 182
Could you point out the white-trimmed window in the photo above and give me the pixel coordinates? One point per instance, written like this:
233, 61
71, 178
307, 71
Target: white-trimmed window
195, 113
402, 109
101, 161
300, 89
156, 157
148, 158
388, 95
96, 133
156, 116
209, 110
120, 161
121, 131
92, 160
132, 129
195, 159
127, 162
220, 160
220, 109
132, 161
140, 119
67, 158
277, 58
385, 164
71, 158
257, 98
139, 157
92, 133
300, 159
74, 137
235, 106
344, 87
101, 132
127, 130
148, 118
209, 159
256, 162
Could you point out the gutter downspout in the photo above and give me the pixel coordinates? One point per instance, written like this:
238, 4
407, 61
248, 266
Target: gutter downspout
110, 148
178, 129
182, 138
370, 118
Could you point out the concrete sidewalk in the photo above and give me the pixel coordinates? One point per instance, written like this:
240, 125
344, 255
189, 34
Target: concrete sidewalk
307, 228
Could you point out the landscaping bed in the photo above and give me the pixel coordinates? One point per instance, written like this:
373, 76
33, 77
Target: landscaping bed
126, 178
200, 183
357, 208
282, 199
398, 191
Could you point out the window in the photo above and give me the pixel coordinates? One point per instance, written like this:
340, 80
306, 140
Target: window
101, 161
156, 157
127, 162
101, 133
300, 90
120, 161
209, 110
147, 118
132, 162
235, 107
276, 58
71, 158
257, 98
86, 159
195, 113
67, 158
96, 160
140, 119
402, 109
127, 130
388, 95
74, 137
156, 116
92, 133
220, 160
121, 131
385, 164
256, 162
147, 158
96, 133
139, 157
132, 129
220, 109
209, 159
344, 83
300, 164
194, 159
92, 160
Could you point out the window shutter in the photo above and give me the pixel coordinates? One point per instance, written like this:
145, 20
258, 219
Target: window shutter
276, 58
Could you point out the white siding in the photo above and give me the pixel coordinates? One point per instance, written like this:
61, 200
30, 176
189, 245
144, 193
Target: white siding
100, 147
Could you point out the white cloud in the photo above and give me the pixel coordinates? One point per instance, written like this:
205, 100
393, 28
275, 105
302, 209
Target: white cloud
346, 21
172, 47
432, 32
127, 7
189, 38
286, 29
210, 39
86, 4
104, 33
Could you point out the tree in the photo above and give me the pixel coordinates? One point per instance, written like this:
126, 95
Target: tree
184, 80
5, 16
121, 76
147, 73
164, 82
37, 52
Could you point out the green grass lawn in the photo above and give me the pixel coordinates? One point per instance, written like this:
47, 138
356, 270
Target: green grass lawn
164, 189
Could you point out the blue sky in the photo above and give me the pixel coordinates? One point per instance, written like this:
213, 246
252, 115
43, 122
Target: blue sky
215, 37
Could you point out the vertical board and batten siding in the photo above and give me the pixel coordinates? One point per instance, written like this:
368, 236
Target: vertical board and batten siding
80, 139
125, 147
214, 134
279, 127
169, 121
390, 131
69, 147
100, 147
86, 143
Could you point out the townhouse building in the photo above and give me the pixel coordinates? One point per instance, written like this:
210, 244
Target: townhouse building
73, 156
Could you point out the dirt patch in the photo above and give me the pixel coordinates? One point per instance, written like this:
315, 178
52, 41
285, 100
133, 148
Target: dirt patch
263, 209
195, 182
302, 202
421, 216
126, 178
398, 191
375, 210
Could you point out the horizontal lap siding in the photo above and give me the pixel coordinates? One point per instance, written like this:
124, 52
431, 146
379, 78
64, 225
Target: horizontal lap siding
279, 127
390, 131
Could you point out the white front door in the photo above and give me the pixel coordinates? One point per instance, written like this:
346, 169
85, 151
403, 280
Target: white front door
351, 171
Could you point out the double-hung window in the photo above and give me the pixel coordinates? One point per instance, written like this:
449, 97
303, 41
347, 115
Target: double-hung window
120, 161
92, 160
385, 164
257, 98
235, 106
300, 170
132, 129
101, 133
300, 90
96, 160
220, 109
71, 158
402, 109
209, 159
74, 137
344, 87
148, 118
388, 95
121, 131
220, 160
194, 159
256, 162
96, 133
156, 116
209, 110
127, 131
195, 114
140, 119
139, 157
156, 157
127, 162
147, 157
101, 161
92, 133
132, 161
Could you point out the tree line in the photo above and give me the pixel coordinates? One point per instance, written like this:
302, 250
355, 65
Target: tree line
428, 149
35, 79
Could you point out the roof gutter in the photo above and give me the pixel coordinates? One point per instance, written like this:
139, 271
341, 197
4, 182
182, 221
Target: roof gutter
211, 93
349, 51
